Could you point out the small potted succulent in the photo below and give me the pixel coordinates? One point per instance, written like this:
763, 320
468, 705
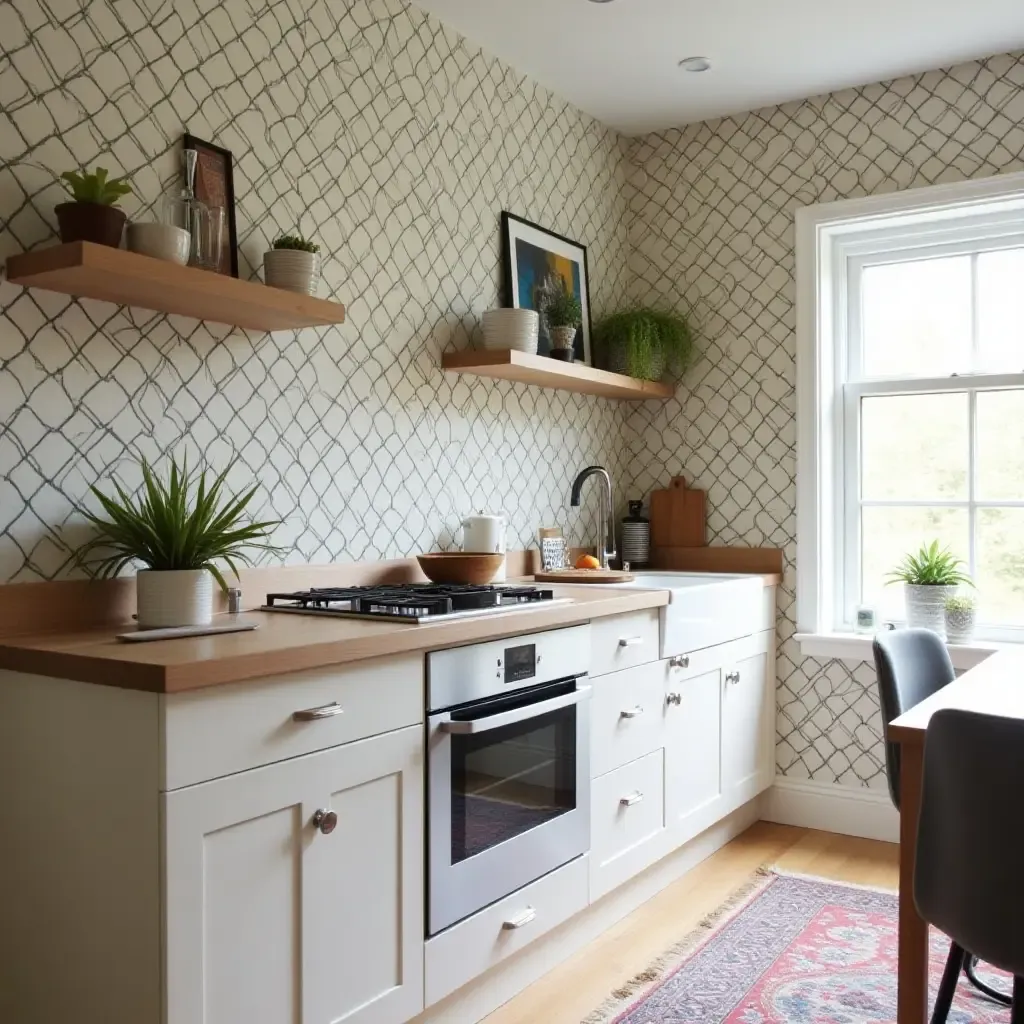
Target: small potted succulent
179, 530
293, 263
92, 216
929, 578
961, 612
564, 315
645, 343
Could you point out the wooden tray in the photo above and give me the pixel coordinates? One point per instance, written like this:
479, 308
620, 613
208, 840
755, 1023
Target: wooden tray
584, 576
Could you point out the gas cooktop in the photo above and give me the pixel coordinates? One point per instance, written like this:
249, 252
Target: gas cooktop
413, 602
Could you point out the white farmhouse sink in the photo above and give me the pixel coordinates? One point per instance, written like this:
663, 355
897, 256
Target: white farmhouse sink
705, 609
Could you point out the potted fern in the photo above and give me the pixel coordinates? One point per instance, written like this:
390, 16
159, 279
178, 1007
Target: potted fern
643, 342
293, 263
92, 216
929, 578
179, 530
564, 314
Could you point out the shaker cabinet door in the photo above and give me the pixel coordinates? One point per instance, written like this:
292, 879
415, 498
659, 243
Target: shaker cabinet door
748, 723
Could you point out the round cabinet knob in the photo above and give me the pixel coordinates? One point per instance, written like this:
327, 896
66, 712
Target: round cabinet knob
326, 821
674, 698
680, 661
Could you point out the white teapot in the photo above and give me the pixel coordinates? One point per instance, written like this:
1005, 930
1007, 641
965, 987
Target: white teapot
485, 532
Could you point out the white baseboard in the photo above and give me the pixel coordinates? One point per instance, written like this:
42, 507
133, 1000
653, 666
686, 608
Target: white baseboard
867, 813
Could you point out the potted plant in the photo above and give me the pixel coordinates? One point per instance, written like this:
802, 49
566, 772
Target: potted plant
961, 612
293, 263
645, 343
179, 530
564, 315
929, 578
92, 216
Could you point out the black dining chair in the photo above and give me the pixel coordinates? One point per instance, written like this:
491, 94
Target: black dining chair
967, 873
911, 665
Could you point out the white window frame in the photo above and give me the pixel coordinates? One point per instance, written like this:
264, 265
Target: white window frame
833, 240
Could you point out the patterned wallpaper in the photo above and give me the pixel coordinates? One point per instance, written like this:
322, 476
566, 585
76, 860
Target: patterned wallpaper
711, 225
396, 144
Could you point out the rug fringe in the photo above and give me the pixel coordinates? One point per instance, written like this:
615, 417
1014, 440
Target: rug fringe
659, 968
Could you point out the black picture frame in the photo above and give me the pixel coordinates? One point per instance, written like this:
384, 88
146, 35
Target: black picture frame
513, 228
229, 260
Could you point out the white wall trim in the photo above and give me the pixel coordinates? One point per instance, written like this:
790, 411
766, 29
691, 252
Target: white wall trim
867, 813
857, 647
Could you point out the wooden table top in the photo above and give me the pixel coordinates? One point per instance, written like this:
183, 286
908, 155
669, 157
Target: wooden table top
995, 687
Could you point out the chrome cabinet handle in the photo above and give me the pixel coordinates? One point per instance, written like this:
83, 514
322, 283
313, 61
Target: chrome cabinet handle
633, 712
633, 798
316, 714
631, 641
732, 677
674, 698
520, 920
326, 821
679, 661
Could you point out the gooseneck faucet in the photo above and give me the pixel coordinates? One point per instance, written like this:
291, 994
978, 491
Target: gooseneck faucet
606, 552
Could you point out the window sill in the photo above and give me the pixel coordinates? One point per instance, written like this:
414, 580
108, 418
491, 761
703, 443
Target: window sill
857, 647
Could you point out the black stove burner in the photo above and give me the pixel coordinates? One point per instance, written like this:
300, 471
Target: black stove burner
408, 600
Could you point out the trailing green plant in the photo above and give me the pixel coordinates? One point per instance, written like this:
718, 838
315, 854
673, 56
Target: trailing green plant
295, 242
932, 566
95, 187
959, 603
645, 342
185, 523
563, 309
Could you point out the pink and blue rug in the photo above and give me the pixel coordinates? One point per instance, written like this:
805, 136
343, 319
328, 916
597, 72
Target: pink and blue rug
794, 950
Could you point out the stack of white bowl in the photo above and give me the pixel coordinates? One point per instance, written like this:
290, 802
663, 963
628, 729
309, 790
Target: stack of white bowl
511, 328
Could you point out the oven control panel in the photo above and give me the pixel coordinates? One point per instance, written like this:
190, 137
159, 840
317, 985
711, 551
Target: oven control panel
520, 663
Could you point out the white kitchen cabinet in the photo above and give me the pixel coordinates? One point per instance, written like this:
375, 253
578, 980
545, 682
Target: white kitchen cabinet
270, 920
748, 722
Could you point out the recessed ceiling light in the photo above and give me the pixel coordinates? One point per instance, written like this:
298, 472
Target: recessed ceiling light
695, 64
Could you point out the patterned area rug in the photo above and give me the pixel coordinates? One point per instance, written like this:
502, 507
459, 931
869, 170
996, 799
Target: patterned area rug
789, 950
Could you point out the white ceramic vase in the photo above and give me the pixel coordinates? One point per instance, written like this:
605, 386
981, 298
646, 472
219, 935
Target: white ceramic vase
926, 606
960, 624
563, 337
292, 269
178, 597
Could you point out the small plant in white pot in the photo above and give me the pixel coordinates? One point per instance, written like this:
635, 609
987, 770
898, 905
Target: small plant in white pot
179, 530
929, 578
961, 613
293, 263
564, 315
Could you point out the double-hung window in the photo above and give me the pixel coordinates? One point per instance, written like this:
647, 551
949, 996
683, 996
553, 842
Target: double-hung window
911, 398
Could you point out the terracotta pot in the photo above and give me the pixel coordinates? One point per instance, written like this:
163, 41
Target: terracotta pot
90, 222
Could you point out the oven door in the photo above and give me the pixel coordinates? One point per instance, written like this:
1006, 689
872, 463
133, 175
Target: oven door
509, 796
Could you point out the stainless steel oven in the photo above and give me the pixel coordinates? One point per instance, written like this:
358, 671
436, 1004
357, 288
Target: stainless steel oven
508, 772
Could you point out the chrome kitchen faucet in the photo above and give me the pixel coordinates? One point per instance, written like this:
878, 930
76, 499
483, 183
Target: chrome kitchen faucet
606, 552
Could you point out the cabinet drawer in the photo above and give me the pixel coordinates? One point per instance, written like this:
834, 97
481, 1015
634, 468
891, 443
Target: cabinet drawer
623, 641
626, 716
471, 947
627, 829
221, 730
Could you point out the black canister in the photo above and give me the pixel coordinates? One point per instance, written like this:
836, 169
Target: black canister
636, 536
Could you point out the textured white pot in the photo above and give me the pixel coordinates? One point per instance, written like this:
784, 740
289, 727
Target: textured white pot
563, 337
292, 269
179, 597
960, 624
926, 606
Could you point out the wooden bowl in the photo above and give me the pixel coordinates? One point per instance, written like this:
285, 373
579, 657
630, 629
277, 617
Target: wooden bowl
459, 567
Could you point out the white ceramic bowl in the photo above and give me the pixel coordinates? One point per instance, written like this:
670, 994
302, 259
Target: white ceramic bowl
511, 328
161, 241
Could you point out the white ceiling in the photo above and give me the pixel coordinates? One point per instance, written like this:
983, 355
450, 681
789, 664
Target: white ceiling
619, 61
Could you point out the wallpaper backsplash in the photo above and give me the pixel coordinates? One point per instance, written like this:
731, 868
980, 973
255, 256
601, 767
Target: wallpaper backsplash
711, 226
394, 142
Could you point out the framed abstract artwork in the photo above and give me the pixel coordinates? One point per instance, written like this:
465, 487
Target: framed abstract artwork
538, 263
215, 186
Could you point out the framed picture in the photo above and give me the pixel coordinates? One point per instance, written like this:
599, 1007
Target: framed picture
538, 262
215, 186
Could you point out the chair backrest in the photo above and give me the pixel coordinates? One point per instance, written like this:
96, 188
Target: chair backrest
967, 876
911, 665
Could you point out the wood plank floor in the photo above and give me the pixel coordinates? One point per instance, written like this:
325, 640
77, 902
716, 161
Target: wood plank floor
574, 988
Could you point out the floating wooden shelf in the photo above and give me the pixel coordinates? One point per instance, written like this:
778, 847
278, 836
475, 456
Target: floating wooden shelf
93, 271
546, 372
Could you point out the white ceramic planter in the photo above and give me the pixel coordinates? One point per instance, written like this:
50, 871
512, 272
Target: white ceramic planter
960, 624
563, 337
292, 269
179, 597
926, 606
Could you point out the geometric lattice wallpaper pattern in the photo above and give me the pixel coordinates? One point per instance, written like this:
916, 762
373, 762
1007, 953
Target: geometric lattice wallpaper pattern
711, 224
396, 144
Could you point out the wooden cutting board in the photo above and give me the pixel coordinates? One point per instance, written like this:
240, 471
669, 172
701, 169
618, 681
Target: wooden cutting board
678, 516
584, 576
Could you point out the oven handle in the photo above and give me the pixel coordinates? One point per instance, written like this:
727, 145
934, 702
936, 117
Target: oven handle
476, 726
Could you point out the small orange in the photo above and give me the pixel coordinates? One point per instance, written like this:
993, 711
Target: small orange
587, 562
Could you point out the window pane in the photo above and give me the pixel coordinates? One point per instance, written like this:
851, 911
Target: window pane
915, 447
917, 318
1001, 310
1000, 575
1000, 445
887, 534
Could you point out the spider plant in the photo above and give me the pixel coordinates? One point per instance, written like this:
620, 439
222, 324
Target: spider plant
932, 566
187, 522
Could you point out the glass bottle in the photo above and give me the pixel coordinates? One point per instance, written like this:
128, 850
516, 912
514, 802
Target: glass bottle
183, 210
